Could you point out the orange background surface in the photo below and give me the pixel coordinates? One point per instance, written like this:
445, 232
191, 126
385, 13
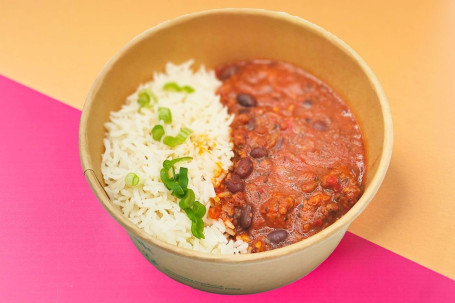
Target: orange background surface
58, 47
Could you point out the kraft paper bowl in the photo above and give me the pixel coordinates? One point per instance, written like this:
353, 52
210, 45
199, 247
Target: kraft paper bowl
215, 37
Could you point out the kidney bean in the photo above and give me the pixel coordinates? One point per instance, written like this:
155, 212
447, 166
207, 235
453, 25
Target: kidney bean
235, 184
246, 217
246, 100
277, 236
258, 152
244, 168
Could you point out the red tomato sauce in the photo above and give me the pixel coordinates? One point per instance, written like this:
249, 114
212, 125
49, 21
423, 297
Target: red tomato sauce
299, 156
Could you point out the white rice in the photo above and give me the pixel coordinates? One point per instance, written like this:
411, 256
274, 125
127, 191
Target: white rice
131, 148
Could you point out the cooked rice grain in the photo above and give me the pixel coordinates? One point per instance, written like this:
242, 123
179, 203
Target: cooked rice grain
129, 147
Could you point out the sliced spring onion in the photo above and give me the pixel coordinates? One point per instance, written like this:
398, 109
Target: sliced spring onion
179, 139
183, 134
176, 189
174, 87
188, 200
187, 89
183, 177
169, 163
170, 141
190, 213
165, 114
165, 178
171, 87
132, 179
198, 209
157, 132
144, 97
178, 185
197, 228
173, 182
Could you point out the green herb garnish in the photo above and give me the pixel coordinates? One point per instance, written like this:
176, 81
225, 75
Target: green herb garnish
170, 163
157, 132
197, 228
171, 179
188, 199
132, 179
174, 87
187, 89
171, 87
165, 114
144, 96
183, 177
179, 139
199, 209
178, 185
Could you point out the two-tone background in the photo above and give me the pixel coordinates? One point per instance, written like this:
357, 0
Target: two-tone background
57, 244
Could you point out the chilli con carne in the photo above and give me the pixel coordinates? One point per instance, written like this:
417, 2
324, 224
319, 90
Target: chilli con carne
299, 157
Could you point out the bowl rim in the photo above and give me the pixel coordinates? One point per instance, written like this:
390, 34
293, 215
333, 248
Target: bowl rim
334, 228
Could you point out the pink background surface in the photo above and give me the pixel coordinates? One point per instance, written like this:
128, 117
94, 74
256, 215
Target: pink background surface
59, 245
